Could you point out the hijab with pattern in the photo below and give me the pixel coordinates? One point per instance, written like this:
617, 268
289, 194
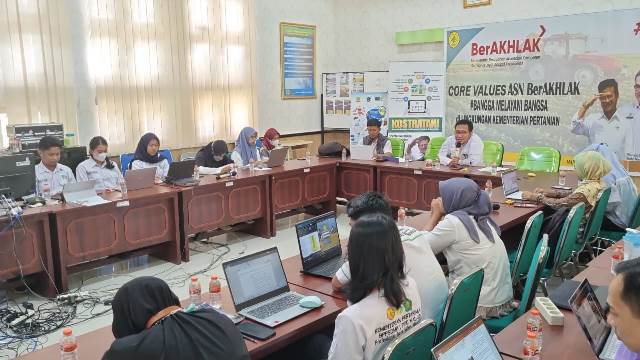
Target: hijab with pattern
268, 137
247, 152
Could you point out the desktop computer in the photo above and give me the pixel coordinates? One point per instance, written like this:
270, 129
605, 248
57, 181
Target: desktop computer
17, 175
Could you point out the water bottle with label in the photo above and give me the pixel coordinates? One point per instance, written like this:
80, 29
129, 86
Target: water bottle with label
195, 291
344, 154
68, 345
631, 244
215, 297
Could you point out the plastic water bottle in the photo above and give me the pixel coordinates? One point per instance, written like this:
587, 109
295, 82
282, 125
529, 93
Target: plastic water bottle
344, 154
68, 345
196, 172
308, 157
631, 244
534, 325
530, 349
616, 258
402, 216
494, 169
562, 178
46, 190
123, 187
488, 187
215, 297
195, 291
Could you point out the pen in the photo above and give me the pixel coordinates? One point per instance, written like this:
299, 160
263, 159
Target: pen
249, 339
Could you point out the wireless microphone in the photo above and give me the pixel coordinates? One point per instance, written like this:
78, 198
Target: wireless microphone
229, 174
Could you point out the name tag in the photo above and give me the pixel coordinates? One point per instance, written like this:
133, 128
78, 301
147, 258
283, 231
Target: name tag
307, 170
228, 184
122, 204
417, 172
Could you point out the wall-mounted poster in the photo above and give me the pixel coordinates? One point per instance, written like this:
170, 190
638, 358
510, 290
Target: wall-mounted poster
298, 61
364, 106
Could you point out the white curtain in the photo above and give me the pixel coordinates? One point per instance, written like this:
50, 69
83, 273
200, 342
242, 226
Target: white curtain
181, 69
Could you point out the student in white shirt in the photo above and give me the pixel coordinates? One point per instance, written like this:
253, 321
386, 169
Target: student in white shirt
51, 176
246, 151
99, 168
213, 158
461, 228
463, 148
417, 148
381, 144
383, 302
147, 156
420, 263
610, 126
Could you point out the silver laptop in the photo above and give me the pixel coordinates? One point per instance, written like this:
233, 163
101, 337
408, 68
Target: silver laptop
361, 152
319, 244
510, 185
140, 178
593, 321
471, 341
277, 157
259, 288
82, 193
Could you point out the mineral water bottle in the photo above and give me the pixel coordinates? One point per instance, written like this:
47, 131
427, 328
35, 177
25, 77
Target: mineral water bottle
402, 216
530, 349
534, 324
195, 291
123, 188
68, 345
616, 257
344, 154
215, 299
494, 169
488, 187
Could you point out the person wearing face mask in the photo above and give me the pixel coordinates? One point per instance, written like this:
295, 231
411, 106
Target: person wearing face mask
270, 141
98, 167
213, 158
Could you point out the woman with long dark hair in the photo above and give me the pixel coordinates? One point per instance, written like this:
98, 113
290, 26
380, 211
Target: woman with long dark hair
98, 167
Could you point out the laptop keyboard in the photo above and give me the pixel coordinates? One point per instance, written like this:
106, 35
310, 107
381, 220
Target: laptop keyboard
610, 349
276, 306
328, 268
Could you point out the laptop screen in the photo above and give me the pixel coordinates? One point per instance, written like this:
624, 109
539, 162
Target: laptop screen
318, 238
255, 278
472, 341
510, 182
591, 316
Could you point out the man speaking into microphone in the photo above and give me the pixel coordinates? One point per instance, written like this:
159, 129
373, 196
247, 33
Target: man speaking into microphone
463, 148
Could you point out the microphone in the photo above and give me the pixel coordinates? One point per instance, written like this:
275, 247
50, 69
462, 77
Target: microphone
229, 174
495, 206
456, 152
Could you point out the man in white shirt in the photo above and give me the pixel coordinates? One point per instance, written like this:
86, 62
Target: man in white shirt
420, 263
463, 148
635, 119
51, 176
609, 127
381, 144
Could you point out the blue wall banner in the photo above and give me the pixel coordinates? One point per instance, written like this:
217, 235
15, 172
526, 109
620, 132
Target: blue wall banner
297, 61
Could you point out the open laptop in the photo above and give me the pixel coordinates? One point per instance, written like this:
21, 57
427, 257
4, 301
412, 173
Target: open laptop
471, 341
361, 152
510, 185
140, 178
593, 321
82, 193
259, 288
319, 244
181, 173
277, 157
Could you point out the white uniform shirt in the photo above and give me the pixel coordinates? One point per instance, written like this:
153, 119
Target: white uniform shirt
615, 133
365, 329
237, 158
465, 256
470, 153
421, 265
105, 178
632, 114
162, 167
56, 178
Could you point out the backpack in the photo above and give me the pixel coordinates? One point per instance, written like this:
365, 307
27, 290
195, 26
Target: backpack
331, 149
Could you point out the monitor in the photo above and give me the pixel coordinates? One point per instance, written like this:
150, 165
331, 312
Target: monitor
73, 156
17, 175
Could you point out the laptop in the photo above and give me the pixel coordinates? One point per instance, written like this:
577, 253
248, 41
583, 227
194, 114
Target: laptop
181, 173
362, 152
259, 288
593, 321
319, 244
82, 193
510, 185
560, 295
472, 341
277, 157
140, 178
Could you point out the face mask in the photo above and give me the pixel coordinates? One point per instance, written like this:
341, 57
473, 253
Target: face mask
100, 157
275, 143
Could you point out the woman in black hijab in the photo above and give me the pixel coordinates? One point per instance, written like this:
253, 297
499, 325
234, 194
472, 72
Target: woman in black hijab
147, 155
148, 323
213, 158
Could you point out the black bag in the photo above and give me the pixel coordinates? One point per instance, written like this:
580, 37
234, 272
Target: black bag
331, 149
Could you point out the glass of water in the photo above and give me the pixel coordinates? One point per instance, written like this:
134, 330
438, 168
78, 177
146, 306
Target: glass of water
436, 164
562, 178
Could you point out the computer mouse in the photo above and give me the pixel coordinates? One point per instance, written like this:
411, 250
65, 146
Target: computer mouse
310, 302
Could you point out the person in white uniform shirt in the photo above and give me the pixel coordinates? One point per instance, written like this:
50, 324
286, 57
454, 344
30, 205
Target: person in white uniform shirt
461, 228
51, 176
610, 126
463, 148
383, 302
420, 263
99, 168
147, 156
634, 116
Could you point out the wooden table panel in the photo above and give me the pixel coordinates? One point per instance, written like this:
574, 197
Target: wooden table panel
355, 177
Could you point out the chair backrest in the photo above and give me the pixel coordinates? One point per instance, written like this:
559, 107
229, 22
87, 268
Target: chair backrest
167, 154
527, 247
539, 158
634, 222
187, 156
259, 143
125, 159
461, 304
568, 240
597, 216
434, 147
397, 146
492, 153
538, 263
415, 344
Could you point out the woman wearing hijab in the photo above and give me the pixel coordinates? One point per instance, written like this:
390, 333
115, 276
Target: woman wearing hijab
213, 158
270, 141
624, 193
148, 323
147, 156
246, 151
461, 228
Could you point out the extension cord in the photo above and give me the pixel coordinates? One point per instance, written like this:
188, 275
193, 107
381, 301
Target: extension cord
73, 297
549, 311
22, 318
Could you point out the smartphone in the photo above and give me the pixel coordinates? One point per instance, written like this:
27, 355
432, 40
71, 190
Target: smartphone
256, 331
560, 187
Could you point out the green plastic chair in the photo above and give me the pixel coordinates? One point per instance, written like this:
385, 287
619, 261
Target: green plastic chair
415, 344
634, 223
566, 245
591, 239
434, 148
538, 263
539, 158
397, 146
524, 255
461, 304
493, 152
